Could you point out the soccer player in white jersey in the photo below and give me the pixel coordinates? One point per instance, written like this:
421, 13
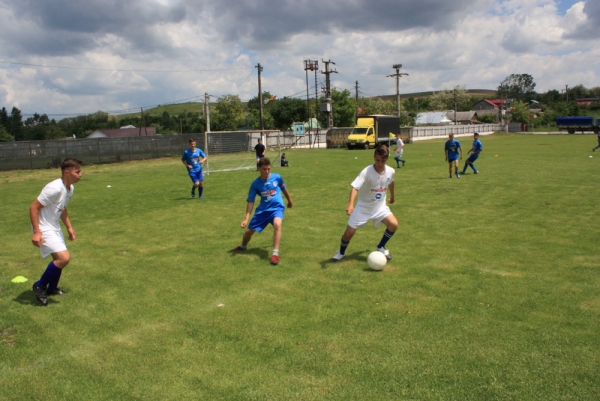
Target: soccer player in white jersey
370, 187
46, 212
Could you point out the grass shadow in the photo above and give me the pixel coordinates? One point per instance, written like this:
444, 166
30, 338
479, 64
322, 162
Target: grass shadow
262, 253
28, 298
353, 256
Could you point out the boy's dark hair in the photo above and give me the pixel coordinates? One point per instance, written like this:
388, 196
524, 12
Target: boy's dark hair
70, 163
264, 161
382, 150
476, 133
191, 140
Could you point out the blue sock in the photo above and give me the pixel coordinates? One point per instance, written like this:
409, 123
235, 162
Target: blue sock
46, 278
53, 284
200, 190
473, 167
343, 246
386, 237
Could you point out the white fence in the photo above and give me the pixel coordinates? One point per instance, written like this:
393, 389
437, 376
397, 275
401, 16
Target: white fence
431, 132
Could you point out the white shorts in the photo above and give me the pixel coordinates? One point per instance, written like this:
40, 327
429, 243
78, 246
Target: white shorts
54, 241
360, 217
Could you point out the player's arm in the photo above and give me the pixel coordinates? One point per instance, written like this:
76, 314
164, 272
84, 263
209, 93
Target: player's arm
460, 151
350, 208
34, 215
249, 207
446, 153
185, 163
392, 195
288, 197
64, 216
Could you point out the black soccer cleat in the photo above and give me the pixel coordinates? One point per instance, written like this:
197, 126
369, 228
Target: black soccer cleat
56, 291
40, 294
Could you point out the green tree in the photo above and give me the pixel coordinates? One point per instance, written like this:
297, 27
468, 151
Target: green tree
4, 118
287, 111
376, 106
5, 136
516, 86
520, 112
229, 113
15, 124
444, 99
344, 108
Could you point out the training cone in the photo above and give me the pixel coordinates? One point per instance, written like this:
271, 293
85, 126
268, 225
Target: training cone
19, 279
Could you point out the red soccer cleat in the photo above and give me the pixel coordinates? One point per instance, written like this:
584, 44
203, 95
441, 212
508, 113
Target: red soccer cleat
274, 260
238, 249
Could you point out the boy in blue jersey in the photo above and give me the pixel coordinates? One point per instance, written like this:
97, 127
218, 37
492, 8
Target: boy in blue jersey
475, 151
452, 149
269, 187
193, 158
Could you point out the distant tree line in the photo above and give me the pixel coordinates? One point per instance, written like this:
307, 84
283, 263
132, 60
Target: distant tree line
229, 113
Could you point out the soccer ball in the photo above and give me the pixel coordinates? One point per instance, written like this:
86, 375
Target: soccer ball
376, 260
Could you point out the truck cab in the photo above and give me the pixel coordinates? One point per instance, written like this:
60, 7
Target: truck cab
370, 130
361, 137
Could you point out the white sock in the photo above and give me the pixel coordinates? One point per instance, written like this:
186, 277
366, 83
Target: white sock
275, 252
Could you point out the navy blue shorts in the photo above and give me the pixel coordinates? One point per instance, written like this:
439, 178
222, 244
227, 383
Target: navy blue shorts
473, 157
263, 219
452, 159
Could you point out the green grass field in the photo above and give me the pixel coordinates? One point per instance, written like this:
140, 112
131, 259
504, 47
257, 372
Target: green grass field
492, 293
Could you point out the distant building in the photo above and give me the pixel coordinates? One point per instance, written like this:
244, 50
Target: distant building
487, 104
586, 101
123, 132
433, 118
463, 117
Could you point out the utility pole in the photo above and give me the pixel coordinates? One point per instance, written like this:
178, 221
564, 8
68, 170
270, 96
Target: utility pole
397, 75
328, 72
567, 91
260, 100
454, 106
356, 96
207, 112
310, 65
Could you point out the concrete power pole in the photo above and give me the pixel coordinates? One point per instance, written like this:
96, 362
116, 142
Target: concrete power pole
356, 96
328, 72
397, 75
207, 111
310, 65
260, 100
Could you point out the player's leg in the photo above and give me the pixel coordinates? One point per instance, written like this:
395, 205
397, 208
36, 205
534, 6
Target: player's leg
200, 189
397, 158
593, 150
391, 225
346, 237
277, 224
54, 244
194, 181
450, 168
401, 159
456, 168
61, 260
467, 162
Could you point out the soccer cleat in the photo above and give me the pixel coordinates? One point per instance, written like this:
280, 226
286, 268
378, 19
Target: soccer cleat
457, 175
238, 249
475, 172
201, 197
450, 177
193, 193
56, 291
385, 252
40, 294
275, 260
403, 163
337, 256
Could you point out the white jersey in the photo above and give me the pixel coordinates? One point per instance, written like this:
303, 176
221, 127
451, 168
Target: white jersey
399, 145
55, 199
372, 187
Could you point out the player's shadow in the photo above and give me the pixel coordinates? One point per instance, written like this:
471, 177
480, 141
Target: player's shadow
28, 298
262, 253
359, 255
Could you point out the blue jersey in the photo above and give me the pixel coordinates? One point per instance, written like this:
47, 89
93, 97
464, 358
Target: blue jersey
269, 191
477, 147
193, 159
452, 148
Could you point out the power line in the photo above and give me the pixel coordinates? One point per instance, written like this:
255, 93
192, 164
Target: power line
119, 70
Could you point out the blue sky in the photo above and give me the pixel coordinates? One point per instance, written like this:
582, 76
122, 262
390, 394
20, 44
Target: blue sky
65, 57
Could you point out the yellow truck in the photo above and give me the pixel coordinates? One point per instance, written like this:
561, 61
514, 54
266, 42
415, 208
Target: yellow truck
374, 129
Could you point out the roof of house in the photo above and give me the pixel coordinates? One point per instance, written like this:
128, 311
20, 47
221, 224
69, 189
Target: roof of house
124, 132
432, 117
462, 115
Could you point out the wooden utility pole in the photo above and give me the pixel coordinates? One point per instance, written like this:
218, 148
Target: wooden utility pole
397, 75
260, 100
356, 96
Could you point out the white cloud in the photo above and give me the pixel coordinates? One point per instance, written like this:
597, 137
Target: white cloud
215, 47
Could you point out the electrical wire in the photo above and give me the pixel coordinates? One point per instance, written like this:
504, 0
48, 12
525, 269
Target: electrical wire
119, 70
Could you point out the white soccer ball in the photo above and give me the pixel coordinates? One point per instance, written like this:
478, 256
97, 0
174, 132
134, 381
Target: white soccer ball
376, 260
